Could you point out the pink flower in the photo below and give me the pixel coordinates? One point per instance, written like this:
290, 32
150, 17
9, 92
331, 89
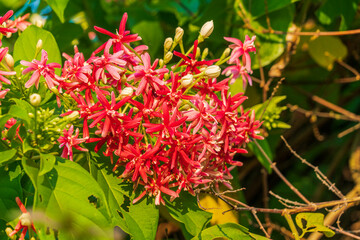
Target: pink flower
76, 69
3, 52
242, 49
148, 75
3, 92
6, 30
40, 68
237, 70
19, 23
68, 141
120, 37
24, 223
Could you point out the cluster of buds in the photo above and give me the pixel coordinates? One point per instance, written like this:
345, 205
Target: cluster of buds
167, 129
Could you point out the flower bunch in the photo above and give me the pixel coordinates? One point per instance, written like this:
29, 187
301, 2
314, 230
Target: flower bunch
167, 128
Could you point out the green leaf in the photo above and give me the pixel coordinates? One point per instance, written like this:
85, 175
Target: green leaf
326, 49
3, 120
25, 46
151, 33
10, 188
332, 10
269, 112
142, 219
47, 162
12, 131
19, 112
255, 9
226, 230
271, 46
7, 155
115, 191
313, 222
185, 210
59, 7
259, 155
69, 193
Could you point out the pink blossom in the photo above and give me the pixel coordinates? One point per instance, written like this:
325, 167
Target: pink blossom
242, 49
40, 68
237, 70
68, 141
3, 52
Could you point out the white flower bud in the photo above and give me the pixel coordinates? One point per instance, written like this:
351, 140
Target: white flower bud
187, 80
25, 219
168, 43
9, 60
179, 33
205, 53
128, 91
37, 20
168, 57
35, 99
212, 71
207, 29
39, 45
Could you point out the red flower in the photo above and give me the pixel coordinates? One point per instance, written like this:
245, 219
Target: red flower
191, 63
120, 37
68, 141
19, 23
40, 68
6, 30
24, 221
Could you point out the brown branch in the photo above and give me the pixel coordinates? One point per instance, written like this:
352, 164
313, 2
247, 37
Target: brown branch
316, 33
346, 233
277, 171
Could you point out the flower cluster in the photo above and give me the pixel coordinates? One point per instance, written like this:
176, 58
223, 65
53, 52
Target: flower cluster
168, 129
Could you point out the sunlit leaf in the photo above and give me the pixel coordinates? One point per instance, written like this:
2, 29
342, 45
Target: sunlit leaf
313, 222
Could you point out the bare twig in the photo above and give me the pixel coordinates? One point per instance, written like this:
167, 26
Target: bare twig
346, 233
319, 174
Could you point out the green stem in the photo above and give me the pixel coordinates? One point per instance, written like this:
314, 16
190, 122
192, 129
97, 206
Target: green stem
291, 225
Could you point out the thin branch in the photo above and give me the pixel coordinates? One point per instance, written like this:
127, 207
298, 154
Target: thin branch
331, 186
316, 33
349, 130
277, 171
272, 95
346, 233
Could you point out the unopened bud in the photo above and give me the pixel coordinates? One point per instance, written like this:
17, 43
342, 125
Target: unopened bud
212, 71
205, 53
197, 52
187, 80
9, 60
35, 99
168, 43
74, 115
128, 91
30, 115
161, 63
179, 33
168, 57
39, 45
55, 90
8, 231
226, 53
25, 219
207, 29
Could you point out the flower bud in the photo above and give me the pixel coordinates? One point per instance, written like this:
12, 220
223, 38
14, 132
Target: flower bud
205, 53
168, 57
9, 60
39, 45
212, 71
187, 80
55, 90
30, 115
8, 231
25, 219
226, 53
179, 33
207, 29
168, 43
35, 99
198, 50
128, 91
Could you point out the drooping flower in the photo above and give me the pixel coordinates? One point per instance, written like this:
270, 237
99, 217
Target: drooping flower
40, 68
24, 223
242, 49
69, 141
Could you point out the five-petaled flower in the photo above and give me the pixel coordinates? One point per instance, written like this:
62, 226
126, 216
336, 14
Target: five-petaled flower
68, 141
24, 223
40, 68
